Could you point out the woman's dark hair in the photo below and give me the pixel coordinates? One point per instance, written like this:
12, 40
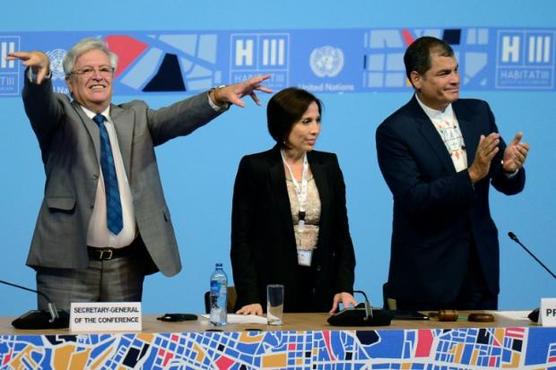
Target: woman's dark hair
285, 108
417, 57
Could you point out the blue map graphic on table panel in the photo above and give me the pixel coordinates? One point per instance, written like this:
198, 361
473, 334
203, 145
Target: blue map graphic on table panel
462, 348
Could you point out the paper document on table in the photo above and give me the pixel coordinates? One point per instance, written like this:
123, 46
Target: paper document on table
513, 315
243, 319
246, 319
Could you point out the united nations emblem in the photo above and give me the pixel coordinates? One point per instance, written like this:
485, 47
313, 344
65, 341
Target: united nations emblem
326, 61
56, 57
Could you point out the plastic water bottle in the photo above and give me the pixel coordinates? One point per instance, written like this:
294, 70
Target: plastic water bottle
218, 296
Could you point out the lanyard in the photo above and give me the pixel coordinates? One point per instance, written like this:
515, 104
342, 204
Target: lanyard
300, 188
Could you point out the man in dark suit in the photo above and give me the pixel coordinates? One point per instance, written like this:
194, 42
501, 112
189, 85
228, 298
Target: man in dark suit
104, 222
439, 155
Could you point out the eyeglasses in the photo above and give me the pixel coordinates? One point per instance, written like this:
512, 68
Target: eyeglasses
88, 71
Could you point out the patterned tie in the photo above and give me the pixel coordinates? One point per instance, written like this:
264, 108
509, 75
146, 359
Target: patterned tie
114, 219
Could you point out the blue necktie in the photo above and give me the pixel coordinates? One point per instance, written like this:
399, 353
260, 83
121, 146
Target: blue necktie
114, 219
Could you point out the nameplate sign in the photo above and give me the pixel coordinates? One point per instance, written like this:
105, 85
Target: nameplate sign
105, 316
547, 314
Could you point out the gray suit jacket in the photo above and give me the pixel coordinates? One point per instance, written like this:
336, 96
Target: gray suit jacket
69, 143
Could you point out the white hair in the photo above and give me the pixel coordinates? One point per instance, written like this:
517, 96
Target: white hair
84, 46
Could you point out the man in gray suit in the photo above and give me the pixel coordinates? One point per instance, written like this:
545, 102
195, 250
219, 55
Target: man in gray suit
104, 223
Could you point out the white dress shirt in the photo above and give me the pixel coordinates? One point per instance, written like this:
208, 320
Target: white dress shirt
98, 234
447, 126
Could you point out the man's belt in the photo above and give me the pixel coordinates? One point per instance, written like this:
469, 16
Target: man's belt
107, 254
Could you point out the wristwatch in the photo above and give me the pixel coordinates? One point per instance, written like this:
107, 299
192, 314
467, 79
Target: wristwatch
212, 98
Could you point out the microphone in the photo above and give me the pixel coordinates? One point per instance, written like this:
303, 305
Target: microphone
37, 319
368, 307
361, 315
515, 239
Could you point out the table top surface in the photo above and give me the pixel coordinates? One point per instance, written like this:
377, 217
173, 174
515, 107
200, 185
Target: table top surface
294, 322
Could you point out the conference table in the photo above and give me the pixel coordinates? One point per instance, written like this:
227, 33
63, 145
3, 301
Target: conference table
304, 341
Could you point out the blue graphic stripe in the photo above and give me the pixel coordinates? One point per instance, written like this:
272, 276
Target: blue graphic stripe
320, 60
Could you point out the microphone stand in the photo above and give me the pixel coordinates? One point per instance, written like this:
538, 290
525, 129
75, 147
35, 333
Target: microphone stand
51, 306
534, 315
40, 319
361, 316
368, 307
515, 239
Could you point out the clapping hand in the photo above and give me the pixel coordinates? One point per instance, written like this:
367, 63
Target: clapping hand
515, 154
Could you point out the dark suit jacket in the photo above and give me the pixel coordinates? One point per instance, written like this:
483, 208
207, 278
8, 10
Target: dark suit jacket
438, 214
263, 249
69, 143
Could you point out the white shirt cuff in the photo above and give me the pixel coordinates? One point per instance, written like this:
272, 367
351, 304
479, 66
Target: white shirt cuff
32, 76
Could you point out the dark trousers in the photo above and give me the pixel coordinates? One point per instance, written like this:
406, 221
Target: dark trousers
473, 294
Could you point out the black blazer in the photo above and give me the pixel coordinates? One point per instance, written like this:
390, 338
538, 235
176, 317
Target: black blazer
438, 213
263, 249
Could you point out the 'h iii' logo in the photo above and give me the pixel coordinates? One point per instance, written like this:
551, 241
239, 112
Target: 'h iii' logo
7, 45
259, 53
9, 69
531, 48
525, 59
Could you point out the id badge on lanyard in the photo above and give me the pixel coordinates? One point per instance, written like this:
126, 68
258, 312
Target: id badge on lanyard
304, 257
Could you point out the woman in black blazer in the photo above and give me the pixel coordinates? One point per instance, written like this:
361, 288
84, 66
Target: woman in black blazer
289, 218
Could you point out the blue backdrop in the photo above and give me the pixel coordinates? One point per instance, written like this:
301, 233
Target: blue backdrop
198, 171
